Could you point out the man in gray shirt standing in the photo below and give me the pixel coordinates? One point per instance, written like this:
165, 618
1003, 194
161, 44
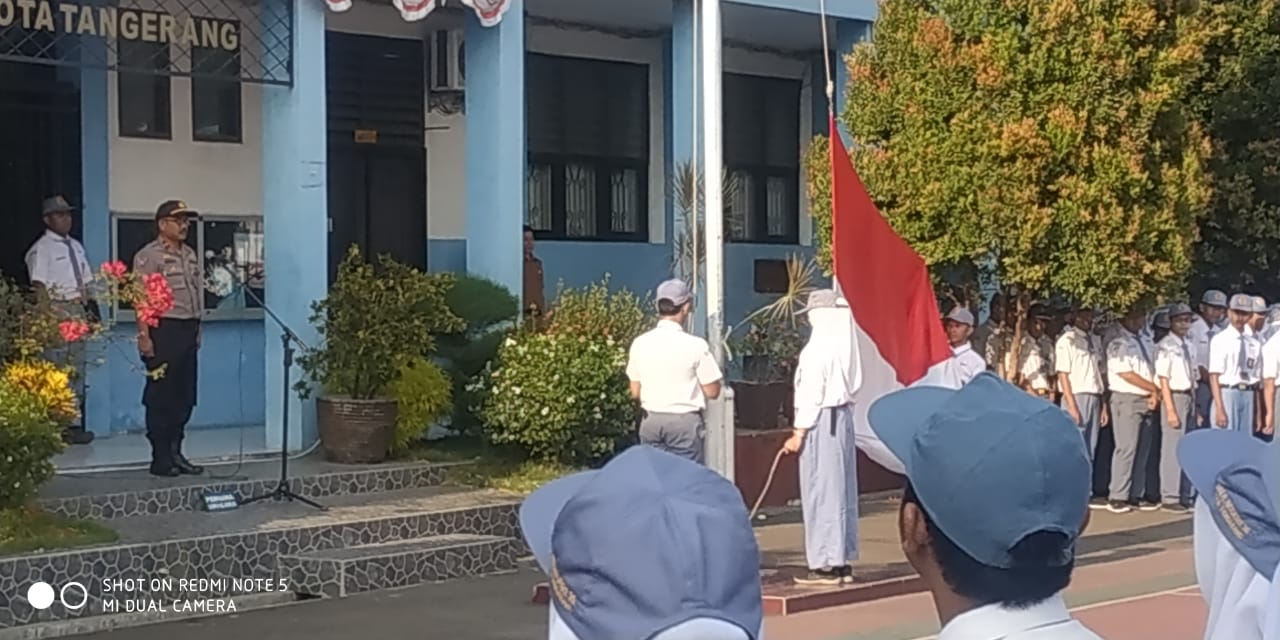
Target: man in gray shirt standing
169, 350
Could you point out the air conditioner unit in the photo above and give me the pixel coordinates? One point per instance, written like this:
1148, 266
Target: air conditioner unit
448, 65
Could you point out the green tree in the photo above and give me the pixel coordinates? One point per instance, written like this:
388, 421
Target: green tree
1240, 106
1048, 141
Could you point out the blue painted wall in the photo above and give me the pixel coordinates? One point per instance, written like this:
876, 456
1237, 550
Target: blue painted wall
231, 377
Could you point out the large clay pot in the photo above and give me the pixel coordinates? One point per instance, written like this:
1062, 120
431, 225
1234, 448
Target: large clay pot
355, 431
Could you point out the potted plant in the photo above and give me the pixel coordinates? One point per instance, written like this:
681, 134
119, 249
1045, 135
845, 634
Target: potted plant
376, 321
768, 352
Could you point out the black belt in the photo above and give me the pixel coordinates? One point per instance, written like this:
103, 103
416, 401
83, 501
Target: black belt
1240, 387
1181, 393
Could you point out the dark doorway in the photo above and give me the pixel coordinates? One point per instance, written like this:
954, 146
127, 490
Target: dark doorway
377, 160
39, 155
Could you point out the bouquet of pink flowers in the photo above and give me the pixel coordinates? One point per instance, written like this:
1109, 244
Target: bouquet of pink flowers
149, 296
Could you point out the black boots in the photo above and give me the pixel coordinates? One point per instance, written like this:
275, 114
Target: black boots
180, 461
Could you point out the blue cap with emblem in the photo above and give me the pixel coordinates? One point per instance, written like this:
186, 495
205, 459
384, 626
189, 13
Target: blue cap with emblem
1238, 478
990, 463
1241, 302
650, 547
1214, 298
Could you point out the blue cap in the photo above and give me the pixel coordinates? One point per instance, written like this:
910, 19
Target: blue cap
990, 463
822, 299
1241, 302
1238, 478
961, 315
674, 290
648, 543
1214, 298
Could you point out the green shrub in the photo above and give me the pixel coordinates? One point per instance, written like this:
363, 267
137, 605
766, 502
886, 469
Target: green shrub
423, 393
559, 397
29, 438
373, 322
596, 311
489, 312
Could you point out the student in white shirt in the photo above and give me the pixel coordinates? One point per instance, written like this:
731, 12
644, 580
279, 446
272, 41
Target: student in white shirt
1134, 398
1270, 374
1077, 363
1035, 368
1207, 323
994, 546
1235, 368
56, 263
1176, 371
673, 374
959, 327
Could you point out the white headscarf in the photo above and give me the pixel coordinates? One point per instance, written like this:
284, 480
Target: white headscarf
1240, 600
827, 374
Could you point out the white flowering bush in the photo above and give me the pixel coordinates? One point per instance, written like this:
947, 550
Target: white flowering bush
557, 396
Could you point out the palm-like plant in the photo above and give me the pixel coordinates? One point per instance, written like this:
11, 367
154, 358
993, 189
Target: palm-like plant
688, 247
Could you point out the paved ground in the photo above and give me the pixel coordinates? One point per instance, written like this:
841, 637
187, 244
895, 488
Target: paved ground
1141, 593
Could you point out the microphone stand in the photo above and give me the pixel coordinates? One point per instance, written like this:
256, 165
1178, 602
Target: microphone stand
287, 339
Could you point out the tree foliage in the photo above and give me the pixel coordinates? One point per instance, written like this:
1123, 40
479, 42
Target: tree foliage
1049, 142
1240, 104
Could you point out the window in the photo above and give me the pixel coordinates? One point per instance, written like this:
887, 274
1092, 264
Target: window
142, 89
588, 126
215, 95
233, 255
762, 155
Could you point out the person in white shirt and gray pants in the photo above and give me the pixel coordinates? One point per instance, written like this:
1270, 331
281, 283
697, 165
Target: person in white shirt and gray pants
1177, 372
673, 374
1076, 361
1235, 368
1134, 398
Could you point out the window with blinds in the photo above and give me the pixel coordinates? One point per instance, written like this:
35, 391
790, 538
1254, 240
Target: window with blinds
762, 154
588, 132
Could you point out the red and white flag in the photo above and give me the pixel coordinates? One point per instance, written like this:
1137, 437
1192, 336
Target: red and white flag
898, 330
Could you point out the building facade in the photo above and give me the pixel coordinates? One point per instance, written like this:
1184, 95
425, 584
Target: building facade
429, 131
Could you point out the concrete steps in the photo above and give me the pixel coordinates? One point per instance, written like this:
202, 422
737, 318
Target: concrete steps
337, 573
363, 541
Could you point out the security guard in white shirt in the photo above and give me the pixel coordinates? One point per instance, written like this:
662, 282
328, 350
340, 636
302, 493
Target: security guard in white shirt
1235, 368
1078, 365
673, 374
1134, 398
959, 327
57, 264
1176, 371
1207, 323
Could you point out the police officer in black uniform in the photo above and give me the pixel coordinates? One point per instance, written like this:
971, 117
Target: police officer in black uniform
169, 350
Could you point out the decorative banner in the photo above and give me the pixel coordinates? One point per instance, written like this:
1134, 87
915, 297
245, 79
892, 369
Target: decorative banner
414, 10
489, 11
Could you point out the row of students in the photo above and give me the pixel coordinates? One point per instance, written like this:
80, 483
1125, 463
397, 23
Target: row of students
1150, 380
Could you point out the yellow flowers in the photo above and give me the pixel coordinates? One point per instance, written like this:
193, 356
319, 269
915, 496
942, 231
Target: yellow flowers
50, 384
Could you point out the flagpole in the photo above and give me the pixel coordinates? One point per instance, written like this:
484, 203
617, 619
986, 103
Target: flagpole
719, 423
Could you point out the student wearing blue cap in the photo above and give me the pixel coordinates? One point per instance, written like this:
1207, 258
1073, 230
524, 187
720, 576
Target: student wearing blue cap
650, 547
673, 374
1235, 368
1210, 320
959, 327
1176, 373
1236, 532
997, 496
